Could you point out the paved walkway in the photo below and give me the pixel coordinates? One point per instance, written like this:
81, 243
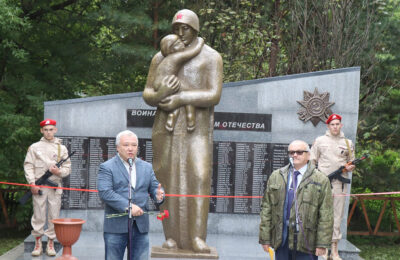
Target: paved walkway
90, 246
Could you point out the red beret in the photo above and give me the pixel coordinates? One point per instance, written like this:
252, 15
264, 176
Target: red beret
333, 117
48, 122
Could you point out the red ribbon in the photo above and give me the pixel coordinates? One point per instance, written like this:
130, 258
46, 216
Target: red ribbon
194, 196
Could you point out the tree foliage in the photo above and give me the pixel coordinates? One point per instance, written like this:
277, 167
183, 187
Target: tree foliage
281, 37
241, 32
65, 49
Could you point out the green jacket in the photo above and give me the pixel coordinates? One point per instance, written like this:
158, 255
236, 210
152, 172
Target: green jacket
314, 196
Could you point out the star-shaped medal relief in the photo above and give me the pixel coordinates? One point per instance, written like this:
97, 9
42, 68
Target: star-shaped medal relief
315, 107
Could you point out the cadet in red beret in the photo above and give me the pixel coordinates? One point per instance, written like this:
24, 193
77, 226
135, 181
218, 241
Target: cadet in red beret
329, 152
333, 117
48, 129
48, 122
43, 156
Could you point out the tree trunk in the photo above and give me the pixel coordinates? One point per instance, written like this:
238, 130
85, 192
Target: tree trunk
273, 61
155, 22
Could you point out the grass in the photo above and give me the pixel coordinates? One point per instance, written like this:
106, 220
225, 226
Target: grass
377, 248
10, 238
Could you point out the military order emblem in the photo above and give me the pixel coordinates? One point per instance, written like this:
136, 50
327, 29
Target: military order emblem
315, 107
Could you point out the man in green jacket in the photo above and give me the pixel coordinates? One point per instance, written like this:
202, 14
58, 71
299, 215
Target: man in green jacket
297, 189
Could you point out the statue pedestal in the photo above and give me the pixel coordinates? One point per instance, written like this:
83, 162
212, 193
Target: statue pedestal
158, 251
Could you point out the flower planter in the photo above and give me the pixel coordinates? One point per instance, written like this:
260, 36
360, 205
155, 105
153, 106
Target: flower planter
67, 232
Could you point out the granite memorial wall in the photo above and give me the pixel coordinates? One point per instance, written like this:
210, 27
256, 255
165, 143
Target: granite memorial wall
254, 122
240, 169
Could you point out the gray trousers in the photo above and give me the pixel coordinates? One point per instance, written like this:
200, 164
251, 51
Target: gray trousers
45, 207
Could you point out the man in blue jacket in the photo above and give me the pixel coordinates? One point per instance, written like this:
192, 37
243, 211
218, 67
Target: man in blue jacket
113, 186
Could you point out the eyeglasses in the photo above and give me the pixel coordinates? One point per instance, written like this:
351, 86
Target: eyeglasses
297, 152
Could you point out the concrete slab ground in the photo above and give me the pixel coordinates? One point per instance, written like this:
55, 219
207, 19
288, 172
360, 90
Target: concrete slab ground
90, 246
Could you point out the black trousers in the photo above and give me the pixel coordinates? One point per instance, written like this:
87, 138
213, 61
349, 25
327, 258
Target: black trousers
284, 253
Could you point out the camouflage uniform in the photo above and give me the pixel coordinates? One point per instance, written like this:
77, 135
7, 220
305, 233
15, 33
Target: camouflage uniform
329, 153
315, 210
40, 157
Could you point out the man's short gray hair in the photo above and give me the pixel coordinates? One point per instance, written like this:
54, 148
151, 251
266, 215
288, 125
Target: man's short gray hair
124, 133
301, 142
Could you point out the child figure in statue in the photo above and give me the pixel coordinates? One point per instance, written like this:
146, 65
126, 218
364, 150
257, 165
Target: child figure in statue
173, 49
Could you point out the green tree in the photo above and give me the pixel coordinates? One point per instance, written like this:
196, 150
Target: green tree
258, 39
241, 32
65, 49
380, 97
15, 119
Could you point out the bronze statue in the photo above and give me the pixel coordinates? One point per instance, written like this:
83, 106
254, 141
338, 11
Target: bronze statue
182, 150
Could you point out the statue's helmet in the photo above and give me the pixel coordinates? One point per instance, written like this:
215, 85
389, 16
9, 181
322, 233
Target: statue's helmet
188, 17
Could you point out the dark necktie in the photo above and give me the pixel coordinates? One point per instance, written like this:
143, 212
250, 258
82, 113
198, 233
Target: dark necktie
291, 192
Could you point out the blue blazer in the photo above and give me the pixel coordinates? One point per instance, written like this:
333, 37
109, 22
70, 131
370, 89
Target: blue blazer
113, 182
